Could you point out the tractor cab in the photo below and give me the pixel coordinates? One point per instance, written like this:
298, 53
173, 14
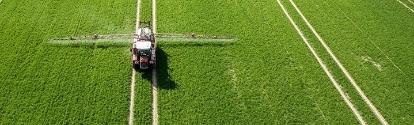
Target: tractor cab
142, 54
143, 51
143, 48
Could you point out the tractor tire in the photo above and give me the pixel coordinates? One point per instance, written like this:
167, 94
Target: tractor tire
136, 67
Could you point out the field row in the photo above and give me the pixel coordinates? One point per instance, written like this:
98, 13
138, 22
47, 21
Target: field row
143, 97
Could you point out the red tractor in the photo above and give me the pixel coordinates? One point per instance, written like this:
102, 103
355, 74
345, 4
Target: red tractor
143, 48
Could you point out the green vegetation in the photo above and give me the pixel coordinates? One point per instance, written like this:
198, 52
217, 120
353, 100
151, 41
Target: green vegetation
268, 76
43, 83
143, 98
371, 39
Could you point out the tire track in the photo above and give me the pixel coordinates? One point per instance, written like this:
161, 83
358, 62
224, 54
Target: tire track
131, 103
137, 16
154, 70
132, 97
408, 0
405, 5
321, 63
344, 70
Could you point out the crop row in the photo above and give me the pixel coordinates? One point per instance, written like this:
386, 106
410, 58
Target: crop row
143, 86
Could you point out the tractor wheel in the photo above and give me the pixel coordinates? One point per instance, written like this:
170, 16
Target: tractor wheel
136, 67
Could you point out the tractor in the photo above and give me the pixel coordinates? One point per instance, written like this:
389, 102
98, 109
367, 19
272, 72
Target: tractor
144, 44
143, 48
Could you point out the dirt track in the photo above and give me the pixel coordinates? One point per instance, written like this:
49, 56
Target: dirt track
408, 0
154, 71
131, 103
132, 99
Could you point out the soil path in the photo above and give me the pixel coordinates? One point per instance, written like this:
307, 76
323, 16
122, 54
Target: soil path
321, 63
154, 71
137, 16
132, 99
131, 103
359, 90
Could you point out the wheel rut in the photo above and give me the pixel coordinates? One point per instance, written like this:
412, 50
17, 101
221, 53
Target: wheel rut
132, 97
154, 71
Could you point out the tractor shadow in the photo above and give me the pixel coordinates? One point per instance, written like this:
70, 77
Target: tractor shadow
164, 79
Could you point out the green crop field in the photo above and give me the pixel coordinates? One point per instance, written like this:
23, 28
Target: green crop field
268, 76
43, 83
374, 41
